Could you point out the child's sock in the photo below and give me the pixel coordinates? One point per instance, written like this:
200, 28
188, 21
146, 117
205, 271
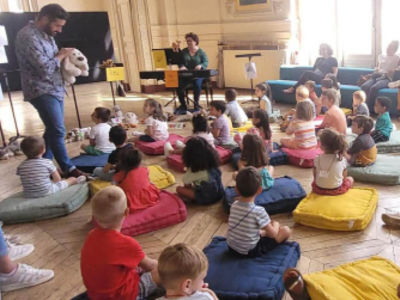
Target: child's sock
168, 148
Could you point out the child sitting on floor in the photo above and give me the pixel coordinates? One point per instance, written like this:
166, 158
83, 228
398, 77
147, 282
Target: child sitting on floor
334, 116
156, 122
261, 127
234, 110
383, 126
255, 155
99, 141
363, 150
360, 108
330, 174
248, 221
182, 270
220, 128
35, 171
200, 128
113, 265
310, 85
302, 127
329, 82
118, 138
134, 180
263, 92
202, 180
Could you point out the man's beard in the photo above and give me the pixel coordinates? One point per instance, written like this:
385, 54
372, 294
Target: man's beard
47, 29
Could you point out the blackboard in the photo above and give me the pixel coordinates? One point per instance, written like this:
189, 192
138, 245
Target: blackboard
87, 31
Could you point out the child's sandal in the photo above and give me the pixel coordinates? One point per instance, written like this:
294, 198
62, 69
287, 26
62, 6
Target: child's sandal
295, 285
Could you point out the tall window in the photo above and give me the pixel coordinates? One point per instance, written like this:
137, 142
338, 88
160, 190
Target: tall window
357, 30
15, 6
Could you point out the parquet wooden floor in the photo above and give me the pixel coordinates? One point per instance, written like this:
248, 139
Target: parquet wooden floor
58, 241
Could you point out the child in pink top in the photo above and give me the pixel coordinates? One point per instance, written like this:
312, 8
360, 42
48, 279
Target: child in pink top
302, 127
334, 117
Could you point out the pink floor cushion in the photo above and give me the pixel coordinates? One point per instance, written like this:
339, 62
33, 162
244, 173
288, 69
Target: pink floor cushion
302, 157
318, 121
175, 162
168, 211
157, 148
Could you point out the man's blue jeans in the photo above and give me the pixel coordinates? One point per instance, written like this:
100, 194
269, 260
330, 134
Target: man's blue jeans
51, 111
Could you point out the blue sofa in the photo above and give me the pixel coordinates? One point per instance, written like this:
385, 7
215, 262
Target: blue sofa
347, 77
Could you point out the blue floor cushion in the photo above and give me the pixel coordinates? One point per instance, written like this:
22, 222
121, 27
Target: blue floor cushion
234, 277
87, 163
385, 170
276, 158
282, 197
17, 209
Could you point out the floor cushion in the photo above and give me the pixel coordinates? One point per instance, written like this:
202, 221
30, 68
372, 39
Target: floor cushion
168, 211
302, 158
282, 197
157, 175
234, 277
369, 279
244, 128
384, 171
157, 148
391, 146
347, 212
17, 209
318, 121
87, 163
175, 161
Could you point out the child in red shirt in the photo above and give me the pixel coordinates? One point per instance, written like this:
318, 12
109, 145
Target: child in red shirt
134, 180
109, 259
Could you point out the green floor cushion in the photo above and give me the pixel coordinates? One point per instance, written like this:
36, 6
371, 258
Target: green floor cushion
350, 211
17, 209
385, 171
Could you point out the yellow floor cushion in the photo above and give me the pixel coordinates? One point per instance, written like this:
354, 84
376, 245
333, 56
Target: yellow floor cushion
367, 279
347, 212
347, 111
244, 128
157, 175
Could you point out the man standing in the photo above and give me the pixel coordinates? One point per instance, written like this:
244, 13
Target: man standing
42, 85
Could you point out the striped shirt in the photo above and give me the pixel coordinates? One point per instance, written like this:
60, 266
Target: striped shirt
304, 133
35, 176
245, 221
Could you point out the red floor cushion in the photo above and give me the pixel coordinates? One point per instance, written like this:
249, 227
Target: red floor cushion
318, 121
302, 157
157, 148
175, 162
168, 211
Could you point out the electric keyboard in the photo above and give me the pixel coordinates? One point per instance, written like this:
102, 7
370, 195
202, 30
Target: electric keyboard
159, 75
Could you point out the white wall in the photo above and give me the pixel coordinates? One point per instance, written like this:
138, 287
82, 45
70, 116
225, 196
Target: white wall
218, 21
77, 5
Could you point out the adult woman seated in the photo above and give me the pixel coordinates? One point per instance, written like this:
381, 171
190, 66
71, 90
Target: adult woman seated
324, 65
193, 58
383, 74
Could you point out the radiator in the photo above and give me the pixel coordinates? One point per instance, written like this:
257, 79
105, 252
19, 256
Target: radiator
267, 66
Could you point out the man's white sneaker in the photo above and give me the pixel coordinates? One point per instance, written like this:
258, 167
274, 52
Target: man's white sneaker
17, 251
24, 276
168, 148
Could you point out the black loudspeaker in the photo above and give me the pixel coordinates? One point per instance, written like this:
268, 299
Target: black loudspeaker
87, 31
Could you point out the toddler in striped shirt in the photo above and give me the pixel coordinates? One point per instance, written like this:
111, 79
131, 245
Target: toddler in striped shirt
35, 171
251, 231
